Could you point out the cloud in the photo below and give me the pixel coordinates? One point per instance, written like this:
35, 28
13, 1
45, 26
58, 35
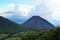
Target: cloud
4, 14
24, 9
16, 9
54, 6
2, 10
11, 7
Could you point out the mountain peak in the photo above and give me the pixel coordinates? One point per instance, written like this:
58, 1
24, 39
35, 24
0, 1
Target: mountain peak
38, 22
36, 16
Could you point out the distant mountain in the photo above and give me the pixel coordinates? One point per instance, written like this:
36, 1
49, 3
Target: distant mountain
36, 22
8, 26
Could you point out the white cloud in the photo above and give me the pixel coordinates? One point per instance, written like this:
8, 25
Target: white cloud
7, 9
24, 9
2, 10
54, 6
2, 13
6, 15
11, 7
56, 15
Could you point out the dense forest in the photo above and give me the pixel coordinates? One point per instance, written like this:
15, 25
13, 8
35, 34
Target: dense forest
52, 34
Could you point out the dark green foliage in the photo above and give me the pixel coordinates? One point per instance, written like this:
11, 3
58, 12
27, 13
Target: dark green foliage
3, 35
53, 34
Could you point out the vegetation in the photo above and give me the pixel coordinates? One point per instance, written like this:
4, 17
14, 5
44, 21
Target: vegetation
3, 35
53, 34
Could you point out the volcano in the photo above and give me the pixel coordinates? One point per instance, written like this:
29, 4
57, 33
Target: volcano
36, 22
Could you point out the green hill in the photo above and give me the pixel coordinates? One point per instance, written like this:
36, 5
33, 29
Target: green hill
8, 26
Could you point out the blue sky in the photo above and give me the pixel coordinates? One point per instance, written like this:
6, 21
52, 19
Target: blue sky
21, 10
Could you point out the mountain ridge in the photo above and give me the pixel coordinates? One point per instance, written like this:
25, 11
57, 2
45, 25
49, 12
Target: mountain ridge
8, 26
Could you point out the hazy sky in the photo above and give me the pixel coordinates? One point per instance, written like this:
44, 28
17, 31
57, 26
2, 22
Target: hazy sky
20, 10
